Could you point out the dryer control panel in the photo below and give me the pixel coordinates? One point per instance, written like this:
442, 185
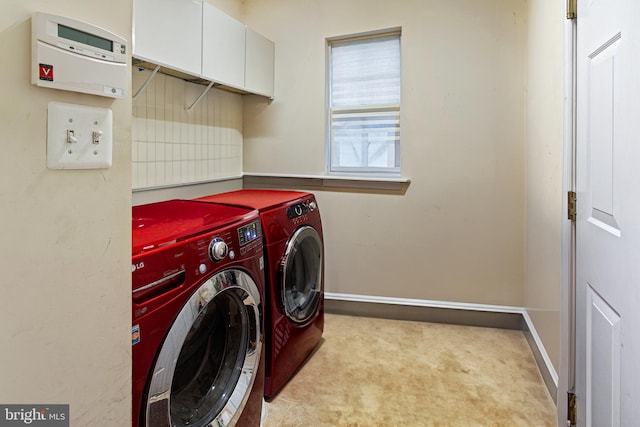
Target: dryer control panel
300, 209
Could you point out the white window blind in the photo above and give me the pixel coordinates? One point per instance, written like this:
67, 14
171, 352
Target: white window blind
364, 106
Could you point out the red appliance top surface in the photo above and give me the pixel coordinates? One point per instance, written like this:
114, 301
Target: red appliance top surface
158, 224
256, 199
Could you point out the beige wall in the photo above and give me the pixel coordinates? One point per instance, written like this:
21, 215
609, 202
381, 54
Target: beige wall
544, 170
457, 234
232, 8
66, 245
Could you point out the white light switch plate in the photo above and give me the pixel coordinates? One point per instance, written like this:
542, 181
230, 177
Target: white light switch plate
79, 137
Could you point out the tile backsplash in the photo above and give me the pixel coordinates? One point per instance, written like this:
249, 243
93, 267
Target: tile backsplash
173, 146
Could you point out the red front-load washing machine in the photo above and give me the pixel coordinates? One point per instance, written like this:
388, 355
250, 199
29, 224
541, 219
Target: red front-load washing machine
197, 331
294, 249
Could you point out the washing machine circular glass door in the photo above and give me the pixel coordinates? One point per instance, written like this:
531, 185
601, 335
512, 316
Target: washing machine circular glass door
207, 364
301, 274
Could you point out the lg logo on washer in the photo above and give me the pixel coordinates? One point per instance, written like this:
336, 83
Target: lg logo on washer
137, 266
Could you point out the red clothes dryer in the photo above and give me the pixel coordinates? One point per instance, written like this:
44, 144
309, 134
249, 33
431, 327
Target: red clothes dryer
294, 249
197, 330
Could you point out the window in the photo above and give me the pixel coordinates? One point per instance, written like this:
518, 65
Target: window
364, 104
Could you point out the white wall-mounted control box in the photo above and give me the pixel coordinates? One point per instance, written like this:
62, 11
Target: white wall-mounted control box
79, 137
73, 55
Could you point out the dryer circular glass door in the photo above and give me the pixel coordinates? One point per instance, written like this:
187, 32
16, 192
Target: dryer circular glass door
207, 364
301, 273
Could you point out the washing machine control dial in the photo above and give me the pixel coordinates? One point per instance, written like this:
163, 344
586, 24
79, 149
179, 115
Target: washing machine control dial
312, 206
218, 249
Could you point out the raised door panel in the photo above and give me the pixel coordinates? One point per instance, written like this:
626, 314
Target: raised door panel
169, 33
223, 45
607, 347
259, 74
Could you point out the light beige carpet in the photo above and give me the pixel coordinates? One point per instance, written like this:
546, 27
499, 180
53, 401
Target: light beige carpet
376, 372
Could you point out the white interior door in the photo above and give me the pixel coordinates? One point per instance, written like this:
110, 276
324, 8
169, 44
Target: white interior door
608, 220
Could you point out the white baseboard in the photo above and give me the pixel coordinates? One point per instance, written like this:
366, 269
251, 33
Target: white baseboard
547, 370
423, 303
471, 314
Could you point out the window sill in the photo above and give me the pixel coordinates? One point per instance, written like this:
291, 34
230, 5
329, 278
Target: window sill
327, 182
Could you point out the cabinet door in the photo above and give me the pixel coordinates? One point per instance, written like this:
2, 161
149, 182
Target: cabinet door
223, 41
260, 62
169, 33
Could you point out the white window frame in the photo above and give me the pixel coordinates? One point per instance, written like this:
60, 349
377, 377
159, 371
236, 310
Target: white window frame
369, 110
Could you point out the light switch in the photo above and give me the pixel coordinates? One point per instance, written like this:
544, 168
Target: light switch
79, 137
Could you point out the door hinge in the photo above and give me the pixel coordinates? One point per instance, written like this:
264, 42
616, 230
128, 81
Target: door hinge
571, 409
572, 205
572, 9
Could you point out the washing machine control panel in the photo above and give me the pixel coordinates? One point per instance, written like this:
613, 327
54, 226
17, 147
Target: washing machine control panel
249, 233
224, 246
218, 249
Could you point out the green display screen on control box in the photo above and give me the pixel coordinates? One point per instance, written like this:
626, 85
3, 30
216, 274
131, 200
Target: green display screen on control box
84, 38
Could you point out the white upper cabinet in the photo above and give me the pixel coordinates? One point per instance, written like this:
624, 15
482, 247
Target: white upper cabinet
193, 37
223, 48
259, 67
169, 33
